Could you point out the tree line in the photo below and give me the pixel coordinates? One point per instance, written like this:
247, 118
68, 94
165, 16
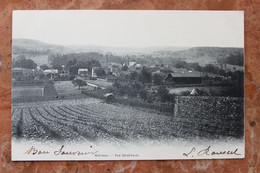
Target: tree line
23, 62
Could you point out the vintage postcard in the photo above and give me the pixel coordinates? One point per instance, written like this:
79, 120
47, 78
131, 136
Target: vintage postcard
127, 85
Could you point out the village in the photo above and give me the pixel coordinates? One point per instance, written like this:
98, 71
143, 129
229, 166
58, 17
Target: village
147, 82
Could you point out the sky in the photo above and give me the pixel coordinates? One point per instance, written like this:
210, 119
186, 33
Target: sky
119, 28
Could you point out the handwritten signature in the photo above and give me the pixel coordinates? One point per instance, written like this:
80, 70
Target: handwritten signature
61, 151
208, 152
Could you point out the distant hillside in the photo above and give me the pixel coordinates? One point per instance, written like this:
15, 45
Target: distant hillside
36, 50
206, 55
28, 46
39, 52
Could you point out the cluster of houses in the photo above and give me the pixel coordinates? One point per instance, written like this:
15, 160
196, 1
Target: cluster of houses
178, 75
22, 74
112, 70
19, 73
229, 67
84, 73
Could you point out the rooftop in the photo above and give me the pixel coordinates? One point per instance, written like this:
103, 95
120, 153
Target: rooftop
188, 74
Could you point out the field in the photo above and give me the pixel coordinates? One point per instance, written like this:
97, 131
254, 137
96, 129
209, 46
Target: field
89, 120
100, 83
22, 91
67, 88
38, 114
46, 91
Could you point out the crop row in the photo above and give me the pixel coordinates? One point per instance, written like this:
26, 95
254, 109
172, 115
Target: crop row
102, 122
111, 123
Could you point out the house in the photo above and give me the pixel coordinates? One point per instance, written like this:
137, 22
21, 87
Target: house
19, 73
138, 66
83, 72
64, 73
51, 73
132, 63
184, 78
228, 67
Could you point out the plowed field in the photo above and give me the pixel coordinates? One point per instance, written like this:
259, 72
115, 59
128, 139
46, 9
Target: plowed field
89, 120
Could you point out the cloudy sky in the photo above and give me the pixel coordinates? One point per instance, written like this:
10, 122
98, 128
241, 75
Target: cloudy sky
132, 28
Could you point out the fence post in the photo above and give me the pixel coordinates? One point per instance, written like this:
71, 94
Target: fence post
176, 107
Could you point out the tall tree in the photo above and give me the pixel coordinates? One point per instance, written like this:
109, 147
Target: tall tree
100, 72
25, 63
157, 79
44, 67
57, 66
79, 83
124, 68
133, 76
143, 94
145, 76
163, 93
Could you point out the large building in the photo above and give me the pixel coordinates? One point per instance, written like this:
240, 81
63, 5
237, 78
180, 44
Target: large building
184, 78
19, 73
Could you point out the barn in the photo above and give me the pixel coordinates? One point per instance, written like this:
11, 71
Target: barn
184, 78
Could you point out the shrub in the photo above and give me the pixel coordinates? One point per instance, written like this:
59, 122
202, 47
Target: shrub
79, 83
163, 94
143, 94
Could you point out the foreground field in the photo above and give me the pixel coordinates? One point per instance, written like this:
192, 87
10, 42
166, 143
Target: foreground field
90, 120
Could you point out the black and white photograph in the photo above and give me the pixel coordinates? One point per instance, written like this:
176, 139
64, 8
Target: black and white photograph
127, 85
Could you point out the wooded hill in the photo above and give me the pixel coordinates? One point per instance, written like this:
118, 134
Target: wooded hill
44, 53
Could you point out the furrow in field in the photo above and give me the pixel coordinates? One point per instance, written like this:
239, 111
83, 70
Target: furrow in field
87, 109
90, 124
102, 122
107, 116
81, 113
130, 122
71, 116
112, 122
109, 123
54, 134
107, 119
102, 112
129, 126
29, 128
17, 123
123, 111
43, 130
62, 130
16, 116
103, 133
84, 128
